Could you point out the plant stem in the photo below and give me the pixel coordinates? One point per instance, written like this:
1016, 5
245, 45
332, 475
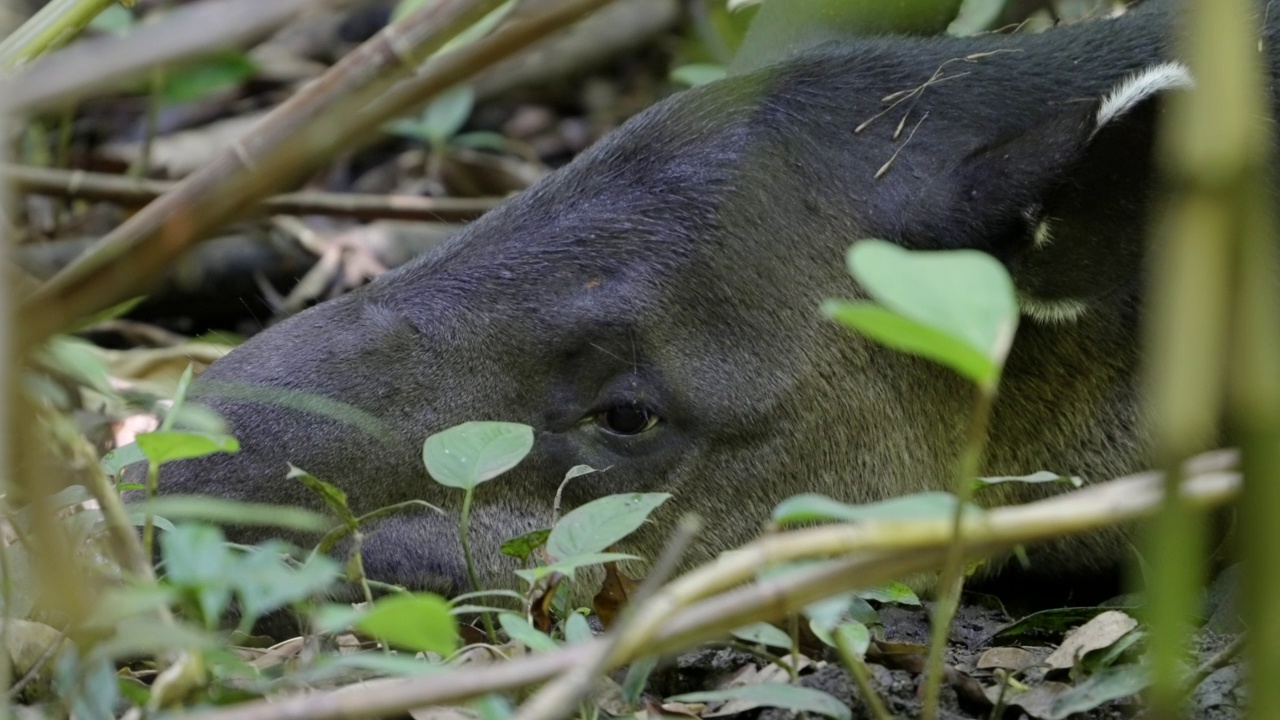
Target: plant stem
951, 581
464, 524
858, 671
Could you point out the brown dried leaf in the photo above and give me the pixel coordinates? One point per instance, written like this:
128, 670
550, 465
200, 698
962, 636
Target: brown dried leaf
615, 593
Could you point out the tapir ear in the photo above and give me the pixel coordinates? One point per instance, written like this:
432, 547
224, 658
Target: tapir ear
1065, 204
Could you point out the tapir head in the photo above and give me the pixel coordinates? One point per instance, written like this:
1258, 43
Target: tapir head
653, 309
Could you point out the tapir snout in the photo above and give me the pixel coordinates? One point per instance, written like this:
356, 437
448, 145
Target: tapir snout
652, 309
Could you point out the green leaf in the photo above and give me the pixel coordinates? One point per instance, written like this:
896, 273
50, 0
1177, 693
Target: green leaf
909, 336
77, 359
265, 582
334, 498
447, 113
418, 621
791, 697
966, 294
88, 686
637, 677
482, 27
568, 566
811, 507
223, 511
827, 615
522, 547
780, 28
192, 82
763, 633
179, 398
401, 665
892, 592
117, 460
115, 19
519, 629
976, 16
1110, 684
595, 526
855, 636
695, 74
576, 629
475, 452
512, 594
163, 447
579, 471
493, 707
119, 309
196, 558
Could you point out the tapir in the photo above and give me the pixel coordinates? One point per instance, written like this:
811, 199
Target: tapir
653, 308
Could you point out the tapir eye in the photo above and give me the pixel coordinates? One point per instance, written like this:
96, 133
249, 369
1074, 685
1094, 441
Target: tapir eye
627, 419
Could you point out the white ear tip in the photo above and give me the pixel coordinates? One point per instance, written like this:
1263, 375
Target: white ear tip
1141, 85
1051, 312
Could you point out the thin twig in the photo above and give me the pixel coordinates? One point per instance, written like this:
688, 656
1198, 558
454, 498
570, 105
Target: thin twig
857, 668
136, 192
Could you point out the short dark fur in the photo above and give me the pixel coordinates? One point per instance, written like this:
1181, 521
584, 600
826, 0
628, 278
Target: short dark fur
680, 264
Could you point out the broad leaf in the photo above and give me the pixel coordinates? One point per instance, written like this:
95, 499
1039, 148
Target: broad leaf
811, 507
791, 697
576, 629
1110, 684
637, 677
222, 510
696, 74
519, 629
117, 460
197, 559
265, 582
522, 547
763, 633
855, 636
567, 567
597, 525
475, 452
163, 447
891, 592
910, 336
966, 294
418, 621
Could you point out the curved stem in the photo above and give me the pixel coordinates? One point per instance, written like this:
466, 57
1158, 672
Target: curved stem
463, 525
951, 581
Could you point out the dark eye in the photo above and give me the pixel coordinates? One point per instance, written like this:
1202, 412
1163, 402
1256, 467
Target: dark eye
627, 419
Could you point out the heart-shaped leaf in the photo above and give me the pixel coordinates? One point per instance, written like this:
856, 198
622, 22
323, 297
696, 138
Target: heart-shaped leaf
910, 336
964, 295
417, 621
475, 452
593, 527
